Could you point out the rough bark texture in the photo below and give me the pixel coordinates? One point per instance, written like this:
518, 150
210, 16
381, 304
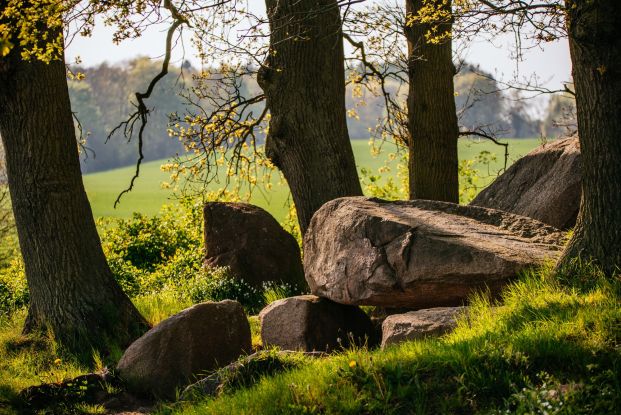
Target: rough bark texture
432, 118
595, 47
303, 80
419, 253
543, 185
72, 290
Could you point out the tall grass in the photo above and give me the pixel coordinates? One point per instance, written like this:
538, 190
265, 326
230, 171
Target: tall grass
29, 360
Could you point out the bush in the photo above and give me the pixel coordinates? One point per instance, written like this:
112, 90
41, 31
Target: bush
147, 254
147, 242
13, 288
165, 254
216, 284
157, 256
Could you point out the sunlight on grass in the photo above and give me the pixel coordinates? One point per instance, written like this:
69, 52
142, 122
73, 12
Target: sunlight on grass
158, 307
543, 346
148, 197
29, 360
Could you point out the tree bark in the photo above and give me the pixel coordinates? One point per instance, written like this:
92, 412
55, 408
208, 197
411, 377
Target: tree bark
72, 290
432, 117
304, 81
595, 48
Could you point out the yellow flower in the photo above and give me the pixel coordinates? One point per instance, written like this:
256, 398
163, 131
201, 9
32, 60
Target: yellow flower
57, 362
352, 364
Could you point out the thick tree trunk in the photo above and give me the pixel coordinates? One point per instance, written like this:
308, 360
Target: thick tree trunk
432, 118
72, 290
595, 47
304, 81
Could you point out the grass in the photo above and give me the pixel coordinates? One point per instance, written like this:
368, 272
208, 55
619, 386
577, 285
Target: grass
148, 196
29, 360
545, 349
550, 345
34, 359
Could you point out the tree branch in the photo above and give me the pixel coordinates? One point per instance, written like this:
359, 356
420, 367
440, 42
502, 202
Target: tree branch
142, 112
488, 137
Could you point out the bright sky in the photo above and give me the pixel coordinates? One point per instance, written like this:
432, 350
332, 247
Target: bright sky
551, 64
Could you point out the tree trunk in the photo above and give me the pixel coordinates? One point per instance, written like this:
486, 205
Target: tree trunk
595, 47
304, 81
72, 290
432, 118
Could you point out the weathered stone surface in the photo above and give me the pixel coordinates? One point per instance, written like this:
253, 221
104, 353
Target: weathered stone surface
543, 185
418, 254
251, 243
200, 338
418, 324
309, 323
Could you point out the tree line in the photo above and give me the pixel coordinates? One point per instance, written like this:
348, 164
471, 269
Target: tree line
102, 97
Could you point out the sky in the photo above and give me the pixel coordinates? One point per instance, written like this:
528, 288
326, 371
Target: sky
551, 64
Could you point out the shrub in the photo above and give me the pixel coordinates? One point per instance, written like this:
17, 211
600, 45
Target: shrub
147, 254
223, 287
13, 288
146, 242
160, 256
383, 185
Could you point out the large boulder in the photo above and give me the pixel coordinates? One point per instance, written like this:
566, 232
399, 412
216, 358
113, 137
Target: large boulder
418, 254
252, 244
170, 355
309, 323
543, 185
429, 322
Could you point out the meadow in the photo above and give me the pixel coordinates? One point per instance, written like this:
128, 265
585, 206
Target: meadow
148, 196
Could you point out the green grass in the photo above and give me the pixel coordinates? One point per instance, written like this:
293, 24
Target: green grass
545, 349
550, 345
29, 360
148, 196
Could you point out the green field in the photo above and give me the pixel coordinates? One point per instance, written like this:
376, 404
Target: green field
148, 196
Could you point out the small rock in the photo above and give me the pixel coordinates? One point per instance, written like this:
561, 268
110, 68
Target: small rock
309, 323
198, 339
252, 244
418, 324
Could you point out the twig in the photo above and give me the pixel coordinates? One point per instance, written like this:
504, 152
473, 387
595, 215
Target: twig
142, 112
491, 138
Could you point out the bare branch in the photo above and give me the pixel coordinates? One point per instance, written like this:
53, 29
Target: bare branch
142, 112
491, 138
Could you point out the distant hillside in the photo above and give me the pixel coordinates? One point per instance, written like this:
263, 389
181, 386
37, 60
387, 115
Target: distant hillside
104, 99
